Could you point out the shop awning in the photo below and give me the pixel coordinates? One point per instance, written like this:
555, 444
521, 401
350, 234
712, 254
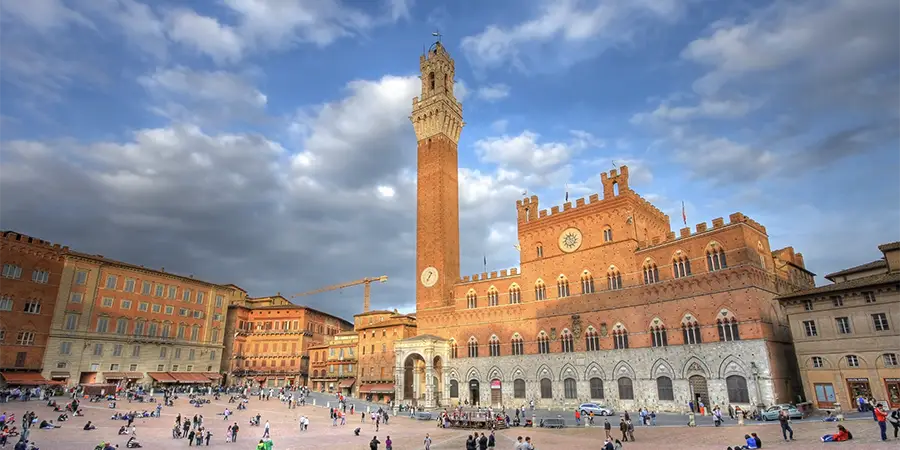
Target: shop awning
260, 379
189, 377
134, 375
378, 388
114, 375
346, 383
59, 374
162, 377
24, 378
212, 375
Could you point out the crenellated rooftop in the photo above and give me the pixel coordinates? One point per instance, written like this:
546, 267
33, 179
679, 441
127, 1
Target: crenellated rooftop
495, 275
25, 239
615, 186
700, 228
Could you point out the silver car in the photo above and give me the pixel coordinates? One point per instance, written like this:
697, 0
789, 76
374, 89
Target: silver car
598, 410
773, 412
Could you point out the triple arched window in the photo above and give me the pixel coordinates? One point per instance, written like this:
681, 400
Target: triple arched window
587, 283
591, 340
472, 299
715, 257
540, 290
494, 346
620, 338
515, 294
493, 297
651, 272
473, 347
543, 343
658, 336
562, 287
681, 265
690, 331
727, 325
518, 345
614, 278
567, 342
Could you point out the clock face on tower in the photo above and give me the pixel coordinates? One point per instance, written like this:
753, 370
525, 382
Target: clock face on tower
429, 277
570, 240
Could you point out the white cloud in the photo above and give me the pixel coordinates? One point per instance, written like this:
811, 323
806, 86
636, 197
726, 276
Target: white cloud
706, 108
564, 24
205, 35
460, 90
42, 15
493, 92
499, 126
197, 96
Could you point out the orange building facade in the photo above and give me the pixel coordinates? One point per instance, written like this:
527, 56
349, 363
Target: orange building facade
334, 364
32, 269
608, 303
377, 332
120, 322
270, 338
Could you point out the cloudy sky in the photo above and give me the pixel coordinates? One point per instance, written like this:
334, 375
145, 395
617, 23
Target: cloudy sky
266, 143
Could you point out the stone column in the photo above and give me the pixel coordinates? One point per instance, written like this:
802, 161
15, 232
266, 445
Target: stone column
429, 384
399, 381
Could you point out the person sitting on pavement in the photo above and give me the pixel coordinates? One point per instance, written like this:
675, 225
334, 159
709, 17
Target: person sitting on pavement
48, 425
89, 426
842, 435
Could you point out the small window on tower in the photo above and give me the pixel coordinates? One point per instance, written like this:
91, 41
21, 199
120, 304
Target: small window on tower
431, 80
446, 84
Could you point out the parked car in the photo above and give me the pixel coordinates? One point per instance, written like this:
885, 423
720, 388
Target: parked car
772, 412
598, 410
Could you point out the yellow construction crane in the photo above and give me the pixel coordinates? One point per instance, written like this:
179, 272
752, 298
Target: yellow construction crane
366, 289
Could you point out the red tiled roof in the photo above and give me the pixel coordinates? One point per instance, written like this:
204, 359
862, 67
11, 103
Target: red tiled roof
162, 377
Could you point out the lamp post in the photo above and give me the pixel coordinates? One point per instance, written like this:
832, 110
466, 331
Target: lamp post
754, 370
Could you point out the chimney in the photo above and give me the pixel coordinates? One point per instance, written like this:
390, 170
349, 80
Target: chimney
891, 255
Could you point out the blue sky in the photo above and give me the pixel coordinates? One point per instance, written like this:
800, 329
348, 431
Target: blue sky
266, 142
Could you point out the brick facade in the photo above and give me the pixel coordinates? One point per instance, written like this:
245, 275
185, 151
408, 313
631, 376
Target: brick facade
271, 339
28, 288
605, 294
378, 332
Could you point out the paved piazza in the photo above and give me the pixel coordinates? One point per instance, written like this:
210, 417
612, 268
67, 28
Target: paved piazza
405, 433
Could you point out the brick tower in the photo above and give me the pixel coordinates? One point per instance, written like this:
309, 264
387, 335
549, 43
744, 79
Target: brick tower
437, 120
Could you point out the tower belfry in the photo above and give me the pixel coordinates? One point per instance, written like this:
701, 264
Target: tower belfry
436, 110
437, 120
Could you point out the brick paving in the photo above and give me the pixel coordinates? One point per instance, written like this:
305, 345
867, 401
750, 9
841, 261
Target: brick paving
405, 433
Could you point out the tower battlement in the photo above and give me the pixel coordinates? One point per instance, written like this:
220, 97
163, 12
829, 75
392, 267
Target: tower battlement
615, 185
13, 236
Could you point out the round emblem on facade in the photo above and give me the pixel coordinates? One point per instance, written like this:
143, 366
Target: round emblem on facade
570, 240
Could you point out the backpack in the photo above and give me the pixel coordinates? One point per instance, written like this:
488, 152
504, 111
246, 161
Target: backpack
849, 435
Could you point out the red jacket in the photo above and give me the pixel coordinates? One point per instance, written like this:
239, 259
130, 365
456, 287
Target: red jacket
880, 415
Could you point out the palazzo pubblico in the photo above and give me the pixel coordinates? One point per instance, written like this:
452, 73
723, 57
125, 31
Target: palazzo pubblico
610, 305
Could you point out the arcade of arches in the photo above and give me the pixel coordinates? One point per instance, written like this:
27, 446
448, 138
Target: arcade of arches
664, 380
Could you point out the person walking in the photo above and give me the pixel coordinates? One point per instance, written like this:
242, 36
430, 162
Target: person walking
266, 431
373, 444
894, 419
427, 441
608, 428
881, 416
785, 420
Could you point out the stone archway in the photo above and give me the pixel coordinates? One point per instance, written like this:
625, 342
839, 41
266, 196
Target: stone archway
699, 391
414, 380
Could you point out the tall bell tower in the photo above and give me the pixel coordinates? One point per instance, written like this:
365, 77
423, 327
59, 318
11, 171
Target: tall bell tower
437, 120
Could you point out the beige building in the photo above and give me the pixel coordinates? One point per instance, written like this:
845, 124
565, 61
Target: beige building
846, 333
334, 364
117, 322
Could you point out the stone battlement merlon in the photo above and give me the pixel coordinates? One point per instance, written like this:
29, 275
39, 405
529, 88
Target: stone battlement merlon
615, 185
514, 272
14, 236
701, 228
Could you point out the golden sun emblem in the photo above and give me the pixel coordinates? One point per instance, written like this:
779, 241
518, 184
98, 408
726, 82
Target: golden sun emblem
570, 240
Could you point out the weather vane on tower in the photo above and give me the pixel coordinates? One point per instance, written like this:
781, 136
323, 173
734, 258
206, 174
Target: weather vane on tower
437, 34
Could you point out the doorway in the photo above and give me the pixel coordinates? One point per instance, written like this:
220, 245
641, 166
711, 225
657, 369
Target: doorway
858, 387
892, 387
474, 392
699, 391
496, 393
